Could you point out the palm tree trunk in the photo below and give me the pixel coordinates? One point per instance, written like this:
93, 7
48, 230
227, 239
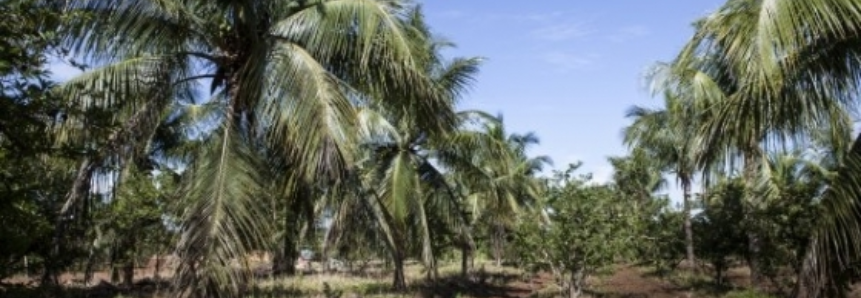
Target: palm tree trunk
809, 284
689, 232
114, 258
129, 273
156, 275
285, 260
753, 238
88, 268
129, 268
464, 261
753, 247
399, 282
498, 239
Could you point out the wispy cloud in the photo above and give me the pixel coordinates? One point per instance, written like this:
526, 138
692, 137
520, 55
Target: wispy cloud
567, 61
561, 32
453, 14
524, 17
629, 33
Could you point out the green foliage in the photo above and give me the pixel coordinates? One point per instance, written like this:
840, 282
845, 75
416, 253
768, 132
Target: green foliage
346, 109
588, 227
32, 173
131, 222
719, 227
636, 176
661, 237
784, 225
27, 33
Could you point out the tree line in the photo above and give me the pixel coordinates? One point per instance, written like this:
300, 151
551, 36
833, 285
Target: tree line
212, 130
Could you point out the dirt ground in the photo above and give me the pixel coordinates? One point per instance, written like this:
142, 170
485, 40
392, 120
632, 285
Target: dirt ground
625, 282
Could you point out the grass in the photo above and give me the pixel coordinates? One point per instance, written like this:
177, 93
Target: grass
485, 281
376, 284
488, 281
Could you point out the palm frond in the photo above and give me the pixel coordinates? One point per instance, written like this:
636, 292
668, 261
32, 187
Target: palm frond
835, 245
109, 31
222, 220
309, 112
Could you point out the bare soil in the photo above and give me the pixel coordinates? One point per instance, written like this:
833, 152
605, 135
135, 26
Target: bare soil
625, 282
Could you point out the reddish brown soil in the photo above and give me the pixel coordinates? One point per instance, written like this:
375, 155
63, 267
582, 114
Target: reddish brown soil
632, 282
626, 282
522, 289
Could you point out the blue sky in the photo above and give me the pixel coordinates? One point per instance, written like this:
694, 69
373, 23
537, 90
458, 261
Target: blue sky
566, 70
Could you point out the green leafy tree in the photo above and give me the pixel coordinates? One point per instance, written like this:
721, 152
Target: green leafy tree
135, 214
662, 242
588, 228
33, 171
720, 230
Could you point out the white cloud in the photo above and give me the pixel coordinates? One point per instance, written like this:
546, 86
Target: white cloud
526, 17
453, 14
629, 33
561, 32
566, 61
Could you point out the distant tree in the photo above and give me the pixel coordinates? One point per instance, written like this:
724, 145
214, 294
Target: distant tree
719, 228
588, 227
130, 217
662, 241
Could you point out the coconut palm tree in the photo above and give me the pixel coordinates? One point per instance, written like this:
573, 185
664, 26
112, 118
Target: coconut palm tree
783, 68
286, 77
667, 134
400, 180
400, 187
499, 186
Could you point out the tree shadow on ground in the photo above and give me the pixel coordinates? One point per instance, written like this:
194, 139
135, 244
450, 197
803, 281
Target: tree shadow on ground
663, 288
142, 288
490, 285
495, 285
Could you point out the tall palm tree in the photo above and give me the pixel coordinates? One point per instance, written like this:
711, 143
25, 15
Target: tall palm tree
401, 185
400, 178
286, 77
668, 135
784, 67
500, 185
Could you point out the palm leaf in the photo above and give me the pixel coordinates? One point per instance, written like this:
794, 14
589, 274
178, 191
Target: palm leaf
221, 219
312, 115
